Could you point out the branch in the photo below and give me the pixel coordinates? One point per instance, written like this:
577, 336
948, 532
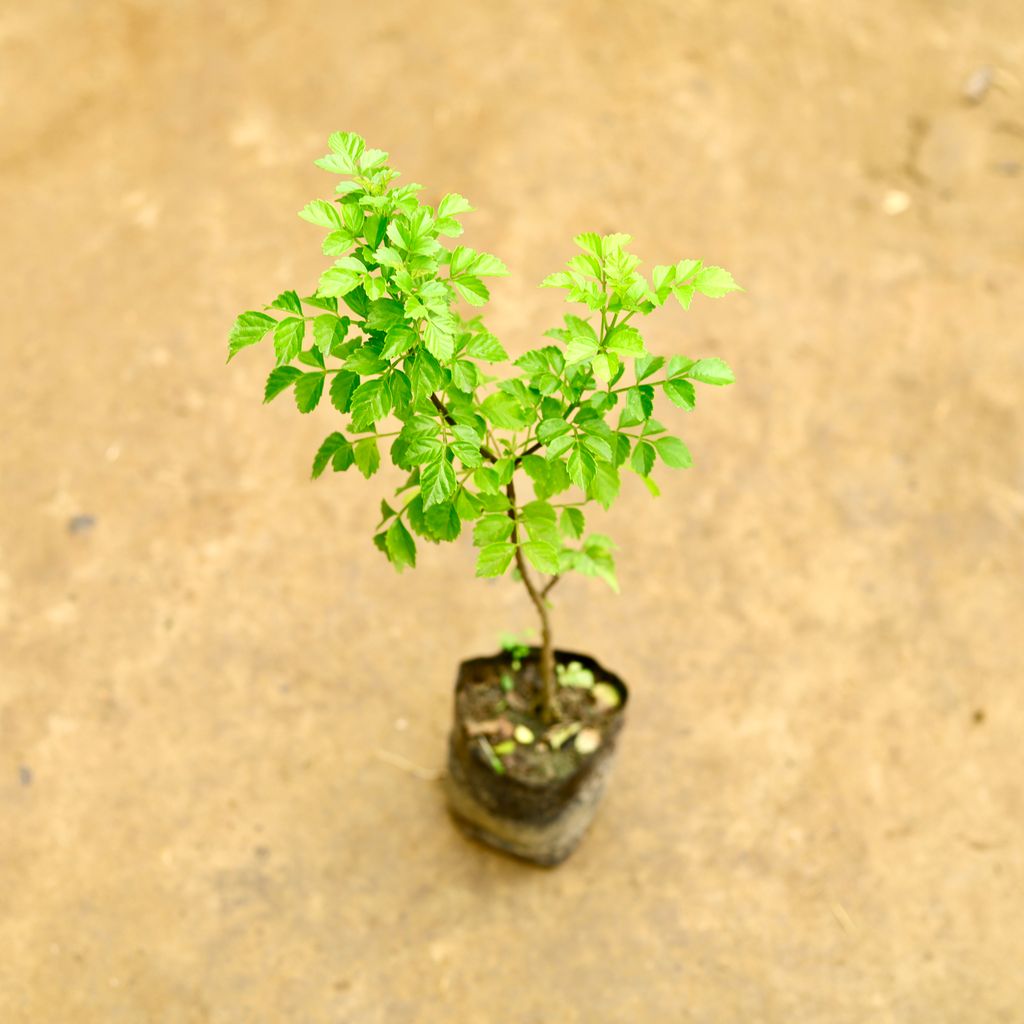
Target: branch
450, 420
550, 583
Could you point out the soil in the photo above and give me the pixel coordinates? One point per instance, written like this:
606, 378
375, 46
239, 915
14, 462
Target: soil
486, 708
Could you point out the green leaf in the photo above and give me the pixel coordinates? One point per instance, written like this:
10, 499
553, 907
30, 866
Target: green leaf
384, 314
542, 555
341, 390
323, 213
572, 523
452, 205
681, 392
398, 341
344, 277
328, 331
551, 429
288, 302
365, 361
714, 282
437, 481
308, 389
491, 529
605, 486
401, 546
642, 459
605, 366
281, 377
334, 444
647, 366
288, 335
591, 241
684, 293
711, 371
370, 402
487, 480
503, 411
443, 522
495, 559
367, 456
480, 264
248, 329
438, 340
581, 467
486, 346
626, 341
473, 290
673, 452
639, 403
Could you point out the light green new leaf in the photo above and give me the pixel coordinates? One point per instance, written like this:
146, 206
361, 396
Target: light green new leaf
248, 329
642, 459
714, 282
473, 290
491, 529
328, 331
673, 452
288, 302
288, 335
542, 555
711, 371
486, 347
681, 392
572, 523
495, 559
344, 277
370, 402
320, 212
626, 340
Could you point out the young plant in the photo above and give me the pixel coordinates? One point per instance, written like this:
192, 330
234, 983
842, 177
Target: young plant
518, 455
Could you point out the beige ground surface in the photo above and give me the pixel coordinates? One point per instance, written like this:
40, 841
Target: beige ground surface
818, 814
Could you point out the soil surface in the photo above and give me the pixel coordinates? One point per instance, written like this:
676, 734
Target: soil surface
222, 715
499, 705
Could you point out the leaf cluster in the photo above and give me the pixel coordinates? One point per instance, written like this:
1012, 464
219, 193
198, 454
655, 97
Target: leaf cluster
387, 339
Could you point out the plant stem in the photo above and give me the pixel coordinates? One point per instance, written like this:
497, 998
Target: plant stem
548, 689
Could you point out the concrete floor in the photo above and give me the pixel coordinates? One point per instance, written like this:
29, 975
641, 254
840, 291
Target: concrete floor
818, 814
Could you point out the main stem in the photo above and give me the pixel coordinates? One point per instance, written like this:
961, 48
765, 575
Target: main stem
548, 686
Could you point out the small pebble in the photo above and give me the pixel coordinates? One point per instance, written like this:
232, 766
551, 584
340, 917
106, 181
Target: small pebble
81, 523
895, 202
978, 84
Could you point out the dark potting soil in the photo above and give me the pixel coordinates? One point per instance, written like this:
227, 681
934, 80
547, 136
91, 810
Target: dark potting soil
490, 712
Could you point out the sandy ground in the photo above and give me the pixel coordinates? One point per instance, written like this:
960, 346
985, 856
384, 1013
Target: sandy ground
818, 814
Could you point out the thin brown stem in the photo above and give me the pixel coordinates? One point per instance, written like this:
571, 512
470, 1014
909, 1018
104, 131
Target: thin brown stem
450, 420
549, 694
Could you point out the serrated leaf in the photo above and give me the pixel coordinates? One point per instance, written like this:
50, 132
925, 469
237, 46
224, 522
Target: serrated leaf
591, 242
642, 459
673, 452
494, 559
248, 329
711, 371
503, 411
288, 335
486, 347
681, 392
401, 547
439, 341
437, 481
572, 523
452, 205
288, 302
341, 389
328, 331
333, 445
281, 377
626, 341
491, 529
371, 401
605, 486
367, 456
324, 214
341, 279
581, 467
714, 282
542, 555
473, 290
384, 314
308, 389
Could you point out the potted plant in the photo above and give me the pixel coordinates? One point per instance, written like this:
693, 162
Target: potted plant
511, 451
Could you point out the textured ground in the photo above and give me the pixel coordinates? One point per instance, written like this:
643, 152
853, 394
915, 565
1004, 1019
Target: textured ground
818, 814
